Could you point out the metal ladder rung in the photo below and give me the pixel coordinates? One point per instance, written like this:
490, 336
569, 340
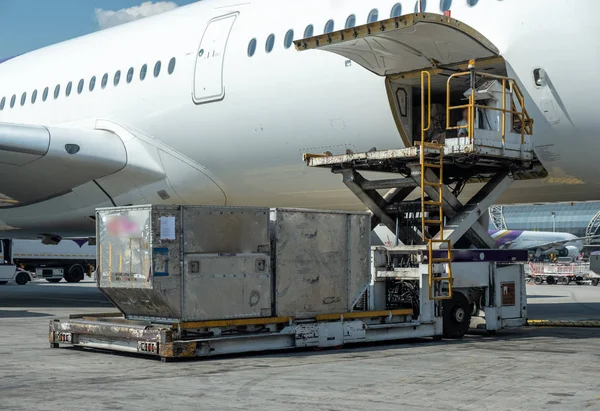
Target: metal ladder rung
441, 260
436, 203
428, 183
438, 146
441, 279
431, 165
433, 222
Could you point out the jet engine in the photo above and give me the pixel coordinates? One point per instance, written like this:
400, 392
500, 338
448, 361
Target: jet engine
569, 251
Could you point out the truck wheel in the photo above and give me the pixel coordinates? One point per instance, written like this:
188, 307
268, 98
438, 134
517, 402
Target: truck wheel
565, 280
22, 279
75, 274
539, 280
53, 280
595, 282
550, 280
456, 316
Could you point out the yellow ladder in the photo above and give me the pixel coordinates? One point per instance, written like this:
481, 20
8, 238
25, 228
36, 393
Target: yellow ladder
435, 279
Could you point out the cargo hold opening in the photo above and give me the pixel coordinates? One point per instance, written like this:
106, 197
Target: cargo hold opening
399, 48
404, 92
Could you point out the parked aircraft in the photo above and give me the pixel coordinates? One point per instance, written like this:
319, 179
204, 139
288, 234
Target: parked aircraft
211, 103
540, 242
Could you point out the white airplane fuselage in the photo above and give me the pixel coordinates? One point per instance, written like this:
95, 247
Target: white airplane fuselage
246, 147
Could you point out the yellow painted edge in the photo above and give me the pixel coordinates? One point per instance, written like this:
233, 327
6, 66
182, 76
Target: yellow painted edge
563, 323
363, 314
230, 323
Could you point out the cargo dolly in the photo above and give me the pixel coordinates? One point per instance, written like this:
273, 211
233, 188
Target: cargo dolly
195, 281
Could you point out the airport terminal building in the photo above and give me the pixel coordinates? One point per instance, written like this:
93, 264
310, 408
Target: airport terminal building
579, 219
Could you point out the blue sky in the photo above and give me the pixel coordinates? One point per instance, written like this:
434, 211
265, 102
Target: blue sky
27, 25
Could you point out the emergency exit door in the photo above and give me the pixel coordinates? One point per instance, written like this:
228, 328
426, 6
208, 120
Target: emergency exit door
210, 59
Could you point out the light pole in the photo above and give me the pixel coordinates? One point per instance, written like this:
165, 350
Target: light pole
553, 222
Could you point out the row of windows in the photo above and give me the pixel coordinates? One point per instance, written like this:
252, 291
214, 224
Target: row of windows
91, 85
373, 16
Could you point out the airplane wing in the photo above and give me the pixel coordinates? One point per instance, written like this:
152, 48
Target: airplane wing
39, 162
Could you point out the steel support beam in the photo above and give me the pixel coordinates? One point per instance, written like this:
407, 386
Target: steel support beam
371, 198
365, 190
464, 220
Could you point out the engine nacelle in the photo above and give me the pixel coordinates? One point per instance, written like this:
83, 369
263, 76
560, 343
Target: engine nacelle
569, 251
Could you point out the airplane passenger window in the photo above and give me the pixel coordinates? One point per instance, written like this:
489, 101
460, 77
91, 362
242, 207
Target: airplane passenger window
23, 98
422, 8
172, 65
396, 10
308, 32
472, 3
92, 83
143, 72
251, 47
2, 103
80, 86
373, 16
157, 69
13, 99
69, 87
45, 94
270, 43
446, 4
117, 78
350, 21
104, 80
130, 75
328, 27
33, 96
289, 38
56, 91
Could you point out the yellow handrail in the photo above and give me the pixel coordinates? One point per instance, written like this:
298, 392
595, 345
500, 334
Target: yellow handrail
423, 128
434, 282
520, 113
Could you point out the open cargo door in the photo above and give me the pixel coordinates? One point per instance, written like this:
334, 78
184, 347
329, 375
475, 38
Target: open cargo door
399, 48
403, 44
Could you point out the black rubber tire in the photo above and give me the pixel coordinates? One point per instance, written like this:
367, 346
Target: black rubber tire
539, 280
22, 279
550, 280
75, 274
53, 280
457, 316
565, 280
595, 282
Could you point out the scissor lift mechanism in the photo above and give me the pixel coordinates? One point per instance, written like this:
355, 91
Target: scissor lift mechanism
433, 167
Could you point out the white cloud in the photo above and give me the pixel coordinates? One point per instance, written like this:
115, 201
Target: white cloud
110, 18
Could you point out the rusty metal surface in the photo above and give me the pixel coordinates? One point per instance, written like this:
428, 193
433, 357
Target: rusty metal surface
321, 260
178, 349
109, 330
